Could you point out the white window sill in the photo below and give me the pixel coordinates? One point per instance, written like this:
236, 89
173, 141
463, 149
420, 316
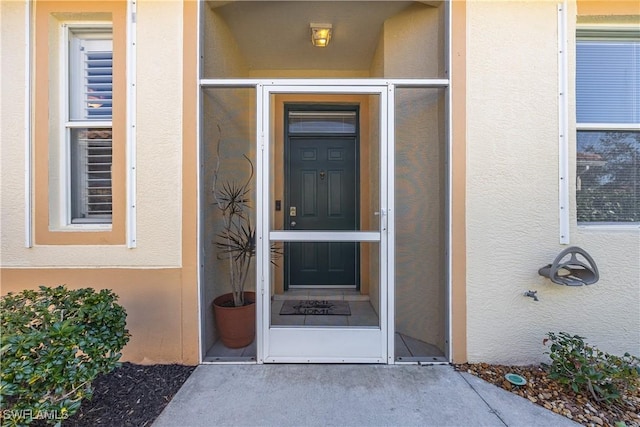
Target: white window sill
82, 228
609, 227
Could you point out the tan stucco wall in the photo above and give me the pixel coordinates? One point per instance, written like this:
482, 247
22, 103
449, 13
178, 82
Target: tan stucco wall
309, 74
12, 134
151, 298
158, 150
376, 68
412, 46
233, 110
457, 191
413, 42
222, 57
159, 129
420, 215
156, 281
512, 197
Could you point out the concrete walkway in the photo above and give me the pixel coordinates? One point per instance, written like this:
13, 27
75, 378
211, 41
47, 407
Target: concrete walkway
347, 395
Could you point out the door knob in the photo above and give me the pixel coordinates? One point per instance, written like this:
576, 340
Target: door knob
293, 223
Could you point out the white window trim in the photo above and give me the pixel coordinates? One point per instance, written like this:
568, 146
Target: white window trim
65, 126
622, 127
621, 31
606, 226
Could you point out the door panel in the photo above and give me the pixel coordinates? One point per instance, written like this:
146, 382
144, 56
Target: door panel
322, 195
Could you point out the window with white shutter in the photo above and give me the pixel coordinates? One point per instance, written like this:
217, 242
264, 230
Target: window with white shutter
608, 126
89, 125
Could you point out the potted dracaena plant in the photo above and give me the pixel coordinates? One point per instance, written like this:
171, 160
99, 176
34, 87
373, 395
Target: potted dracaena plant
236, 243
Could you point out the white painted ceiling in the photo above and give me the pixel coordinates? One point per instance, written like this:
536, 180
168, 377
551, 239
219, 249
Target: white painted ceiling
275, 34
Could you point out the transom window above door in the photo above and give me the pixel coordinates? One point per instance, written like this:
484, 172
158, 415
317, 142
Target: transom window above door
342, 122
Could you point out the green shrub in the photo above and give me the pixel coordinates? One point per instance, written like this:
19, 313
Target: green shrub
584, 368
54, 343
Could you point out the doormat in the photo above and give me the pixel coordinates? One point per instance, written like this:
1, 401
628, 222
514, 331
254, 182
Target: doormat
316, 307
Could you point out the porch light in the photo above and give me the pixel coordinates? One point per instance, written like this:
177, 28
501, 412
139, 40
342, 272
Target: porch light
320, 34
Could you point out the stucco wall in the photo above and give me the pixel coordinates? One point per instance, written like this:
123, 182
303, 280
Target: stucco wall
12, 133
151, 298
412, 46
420, 215
159, 124
149, 278
512, 198
413, 43
233, 111
221, 54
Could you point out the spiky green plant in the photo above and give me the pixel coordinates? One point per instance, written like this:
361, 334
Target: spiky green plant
236, 242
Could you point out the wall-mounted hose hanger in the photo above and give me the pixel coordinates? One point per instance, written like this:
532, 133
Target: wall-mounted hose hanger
572, 267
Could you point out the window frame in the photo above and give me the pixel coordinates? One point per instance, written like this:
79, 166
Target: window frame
45, 163
84, 30
603, 33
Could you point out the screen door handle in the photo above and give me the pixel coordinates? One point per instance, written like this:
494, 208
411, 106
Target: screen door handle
293, 223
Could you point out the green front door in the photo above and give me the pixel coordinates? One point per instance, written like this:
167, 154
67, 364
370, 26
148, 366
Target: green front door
322, 194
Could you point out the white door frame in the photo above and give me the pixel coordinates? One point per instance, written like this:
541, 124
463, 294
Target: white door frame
386, 89
310, 344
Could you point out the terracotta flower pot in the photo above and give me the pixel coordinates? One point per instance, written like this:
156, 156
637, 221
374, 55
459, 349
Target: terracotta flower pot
236, 325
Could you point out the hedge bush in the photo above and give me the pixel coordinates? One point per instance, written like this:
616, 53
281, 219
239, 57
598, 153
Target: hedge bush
54, 343
584, 368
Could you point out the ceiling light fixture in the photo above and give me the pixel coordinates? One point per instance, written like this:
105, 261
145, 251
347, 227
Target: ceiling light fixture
320, 34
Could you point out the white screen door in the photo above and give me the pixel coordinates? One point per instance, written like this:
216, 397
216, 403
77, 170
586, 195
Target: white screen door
311, 170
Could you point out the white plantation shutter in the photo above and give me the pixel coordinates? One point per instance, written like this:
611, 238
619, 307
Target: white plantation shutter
91, 71
608, 155
90, 126
91, 158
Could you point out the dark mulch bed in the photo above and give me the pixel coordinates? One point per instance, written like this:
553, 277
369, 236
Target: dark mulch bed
132, 395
